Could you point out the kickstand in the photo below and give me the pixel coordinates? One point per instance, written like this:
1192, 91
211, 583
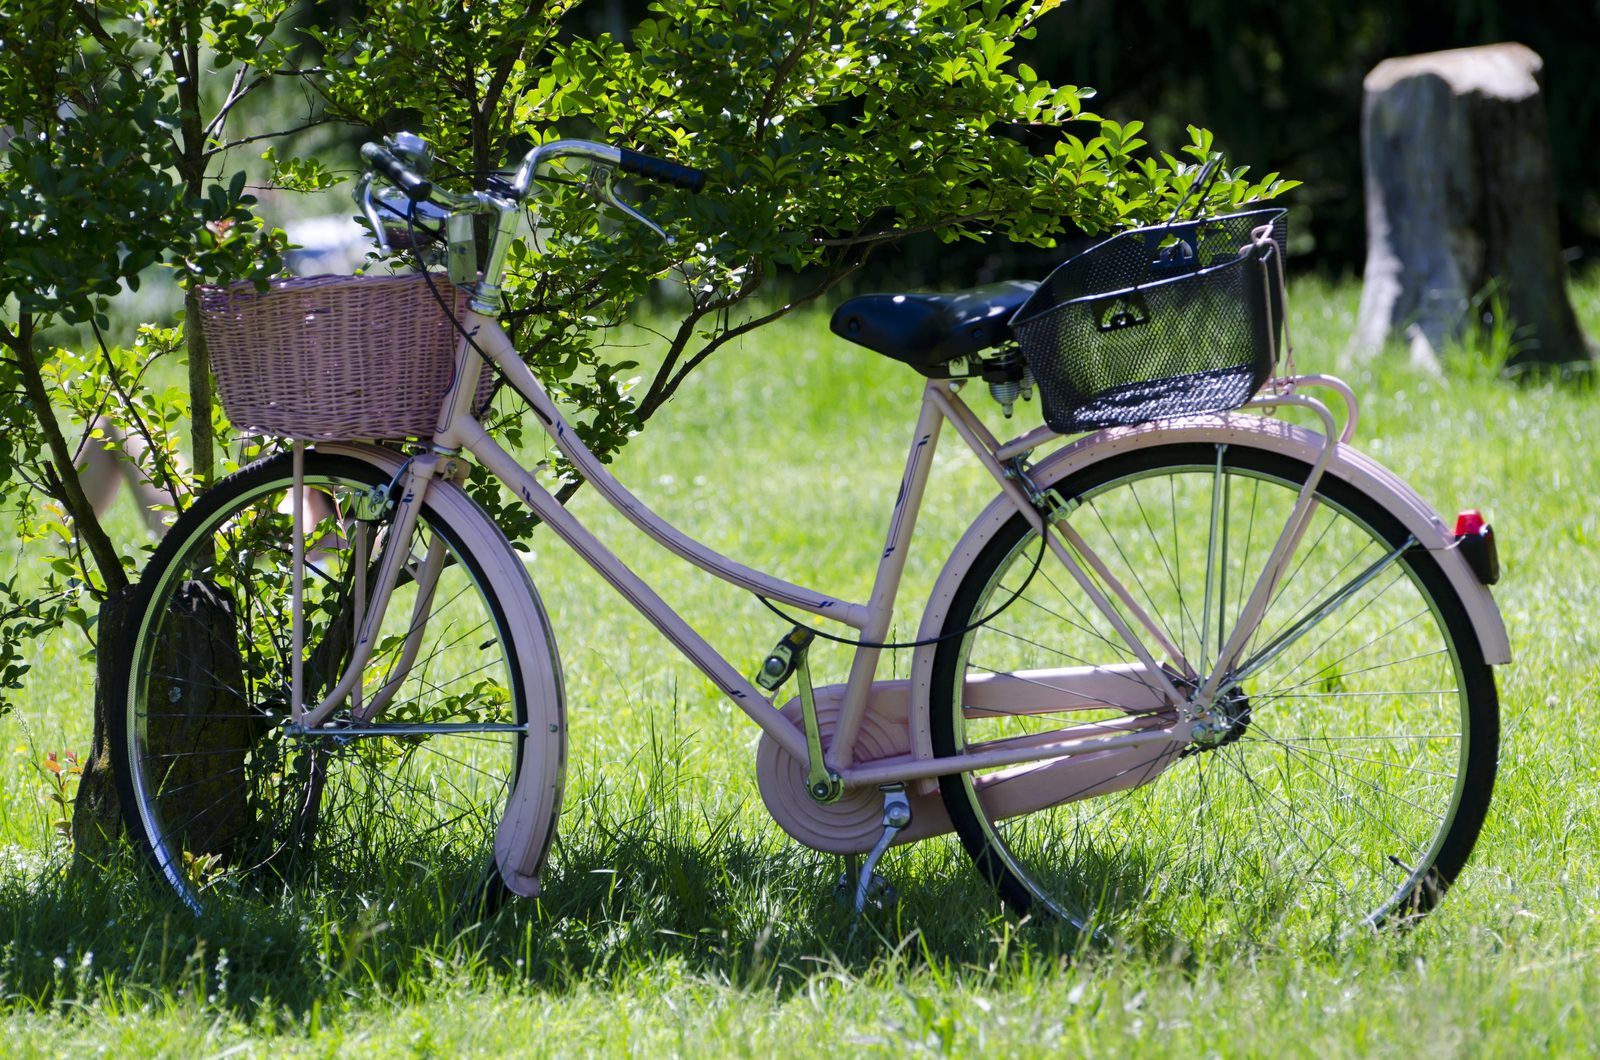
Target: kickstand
896, 815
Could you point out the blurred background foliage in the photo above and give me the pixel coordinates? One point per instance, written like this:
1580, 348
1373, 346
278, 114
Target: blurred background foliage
1279, 83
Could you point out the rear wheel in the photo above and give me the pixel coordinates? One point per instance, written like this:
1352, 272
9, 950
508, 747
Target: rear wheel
1345, 778
223, 793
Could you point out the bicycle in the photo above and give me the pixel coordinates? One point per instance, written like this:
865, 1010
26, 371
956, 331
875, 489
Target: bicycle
1196, 648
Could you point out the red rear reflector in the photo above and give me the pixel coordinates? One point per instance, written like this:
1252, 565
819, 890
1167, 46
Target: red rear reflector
1476, 541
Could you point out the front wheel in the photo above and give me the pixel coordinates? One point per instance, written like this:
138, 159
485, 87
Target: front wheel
1344, 779
224, 793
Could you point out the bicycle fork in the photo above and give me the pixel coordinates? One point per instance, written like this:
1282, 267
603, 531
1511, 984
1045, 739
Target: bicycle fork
400, 507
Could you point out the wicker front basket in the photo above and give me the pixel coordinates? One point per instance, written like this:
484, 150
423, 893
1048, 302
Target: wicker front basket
335, 356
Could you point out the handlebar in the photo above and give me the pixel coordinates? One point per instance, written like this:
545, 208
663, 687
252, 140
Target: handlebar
403, 161
662, 172
654, 169
417, 187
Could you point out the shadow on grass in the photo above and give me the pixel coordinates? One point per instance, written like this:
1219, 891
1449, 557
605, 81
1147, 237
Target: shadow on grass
622, 896
639, 879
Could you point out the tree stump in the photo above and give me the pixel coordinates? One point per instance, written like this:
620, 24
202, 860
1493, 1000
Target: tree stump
1461, 205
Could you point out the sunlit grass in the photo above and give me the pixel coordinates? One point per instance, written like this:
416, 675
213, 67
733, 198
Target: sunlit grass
678, 919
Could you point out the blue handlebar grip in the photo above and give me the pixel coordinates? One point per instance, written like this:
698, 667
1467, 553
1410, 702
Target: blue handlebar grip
662, 171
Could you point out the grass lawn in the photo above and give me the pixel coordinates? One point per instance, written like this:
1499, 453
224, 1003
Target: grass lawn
679, 920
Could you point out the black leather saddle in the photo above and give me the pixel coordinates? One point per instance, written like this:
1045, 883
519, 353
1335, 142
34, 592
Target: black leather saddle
928, 331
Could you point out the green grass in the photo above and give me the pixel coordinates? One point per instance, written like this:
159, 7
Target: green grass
679, 920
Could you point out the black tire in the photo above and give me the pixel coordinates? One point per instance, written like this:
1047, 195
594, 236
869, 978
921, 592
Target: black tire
216, 788
1346, 783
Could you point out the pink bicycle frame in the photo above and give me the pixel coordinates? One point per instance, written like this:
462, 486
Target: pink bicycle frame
1154, 693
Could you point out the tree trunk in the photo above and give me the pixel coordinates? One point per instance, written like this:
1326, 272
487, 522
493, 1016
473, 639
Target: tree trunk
201, 396
194, 721
97, 811
1461, 205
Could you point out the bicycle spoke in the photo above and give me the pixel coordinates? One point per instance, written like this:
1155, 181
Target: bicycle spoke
1322, 780
1337, 600
1318, 675
329, 807
1132, 570
1376, 789
1257, 793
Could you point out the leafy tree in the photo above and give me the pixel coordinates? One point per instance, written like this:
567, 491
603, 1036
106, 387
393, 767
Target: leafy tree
831, 131
117, 118
103, 175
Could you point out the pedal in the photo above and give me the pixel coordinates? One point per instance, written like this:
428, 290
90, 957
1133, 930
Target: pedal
896, 815
785, 658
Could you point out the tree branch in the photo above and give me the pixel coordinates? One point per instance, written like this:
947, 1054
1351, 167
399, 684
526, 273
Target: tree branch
90, 21
183, 52
171, 481
214, 127
568, 488
312, 124
236, 93
802, 42
84, 520
685, 332
508, 62
833, 279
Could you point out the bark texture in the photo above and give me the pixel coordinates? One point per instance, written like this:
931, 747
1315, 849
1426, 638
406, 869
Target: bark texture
1461, 204
195, 722
97, 811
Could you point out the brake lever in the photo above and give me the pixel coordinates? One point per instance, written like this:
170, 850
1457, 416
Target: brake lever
370, 210
602, 188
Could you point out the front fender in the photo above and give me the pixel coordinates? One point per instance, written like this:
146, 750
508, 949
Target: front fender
528, 824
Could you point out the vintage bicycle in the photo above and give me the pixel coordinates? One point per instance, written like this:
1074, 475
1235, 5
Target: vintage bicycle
1196, 649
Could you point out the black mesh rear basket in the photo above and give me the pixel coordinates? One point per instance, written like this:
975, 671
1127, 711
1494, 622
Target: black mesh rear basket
1171, 320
